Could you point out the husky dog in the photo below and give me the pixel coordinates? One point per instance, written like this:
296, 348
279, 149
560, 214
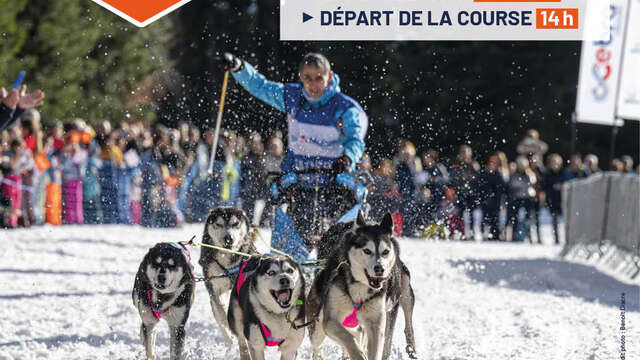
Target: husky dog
228, 228
267, 307
164, 289
356, 296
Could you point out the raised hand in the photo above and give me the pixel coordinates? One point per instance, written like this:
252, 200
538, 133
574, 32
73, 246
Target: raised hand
28, 101
229, 62
341, 165
11, 99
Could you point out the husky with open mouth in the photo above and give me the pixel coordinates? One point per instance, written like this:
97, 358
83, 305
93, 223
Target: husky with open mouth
164, 289
355, 298
227, 228
267, 307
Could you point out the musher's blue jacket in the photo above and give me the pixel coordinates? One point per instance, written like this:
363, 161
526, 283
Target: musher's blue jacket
334, 122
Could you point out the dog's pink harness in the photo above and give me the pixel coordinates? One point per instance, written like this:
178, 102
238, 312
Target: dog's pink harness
156, 310
351, 320
242, 277
266, 334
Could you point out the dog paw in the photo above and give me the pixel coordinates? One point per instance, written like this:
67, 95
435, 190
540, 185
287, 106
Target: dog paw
411, 351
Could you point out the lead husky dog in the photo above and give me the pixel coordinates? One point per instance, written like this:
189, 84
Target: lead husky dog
164, 289
356, 296
267, 307
228, 228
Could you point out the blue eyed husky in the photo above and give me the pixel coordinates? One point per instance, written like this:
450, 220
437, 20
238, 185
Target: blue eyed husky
355, 298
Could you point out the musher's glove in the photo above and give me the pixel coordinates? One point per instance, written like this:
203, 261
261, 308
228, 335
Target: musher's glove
229, 62
341, 165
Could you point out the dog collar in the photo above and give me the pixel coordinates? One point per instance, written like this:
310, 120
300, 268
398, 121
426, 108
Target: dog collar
351, 320
157, 312
230, 271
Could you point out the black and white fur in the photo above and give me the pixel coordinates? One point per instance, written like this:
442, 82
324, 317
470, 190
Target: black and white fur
364, 266
165, 275
228, 228
259, 301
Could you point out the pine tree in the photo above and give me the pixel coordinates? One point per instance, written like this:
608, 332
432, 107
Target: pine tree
12, 37
88, 61
128, 57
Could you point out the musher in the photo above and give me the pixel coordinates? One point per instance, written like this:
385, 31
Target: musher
326, 128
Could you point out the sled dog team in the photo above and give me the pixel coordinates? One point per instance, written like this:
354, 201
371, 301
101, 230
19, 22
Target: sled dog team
354, 299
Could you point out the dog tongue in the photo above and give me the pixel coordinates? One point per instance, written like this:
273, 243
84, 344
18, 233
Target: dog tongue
283, 296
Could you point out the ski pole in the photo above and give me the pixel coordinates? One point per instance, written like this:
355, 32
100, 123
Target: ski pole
218, 121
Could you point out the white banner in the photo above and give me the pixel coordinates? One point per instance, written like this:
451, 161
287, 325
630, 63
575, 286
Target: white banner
441, 20
600, 71
629, 97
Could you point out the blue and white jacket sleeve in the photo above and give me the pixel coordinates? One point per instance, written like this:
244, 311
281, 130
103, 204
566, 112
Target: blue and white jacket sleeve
270, 92
353, 130
8, 116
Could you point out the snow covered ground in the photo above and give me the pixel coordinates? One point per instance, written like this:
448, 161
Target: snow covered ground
66, 294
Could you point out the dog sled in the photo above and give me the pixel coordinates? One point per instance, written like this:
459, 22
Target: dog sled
307, 203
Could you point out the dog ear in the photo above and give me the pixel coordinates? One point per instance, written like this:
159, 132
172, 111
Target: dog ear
186, 262
253, 263
360, 220
245, 218
142, 270
387, 224
206, 238
211, 216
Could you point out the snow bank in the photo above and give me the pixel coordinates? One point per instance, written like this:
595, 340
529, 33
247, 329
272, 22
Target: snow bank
66, 294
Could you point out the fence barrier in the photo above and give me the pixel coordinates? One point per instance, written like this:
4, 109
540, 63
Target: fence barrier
603, 210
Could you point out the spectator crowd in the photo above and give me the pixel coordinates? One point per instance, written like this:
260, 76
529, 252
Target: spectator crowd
158, 177
437, 197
